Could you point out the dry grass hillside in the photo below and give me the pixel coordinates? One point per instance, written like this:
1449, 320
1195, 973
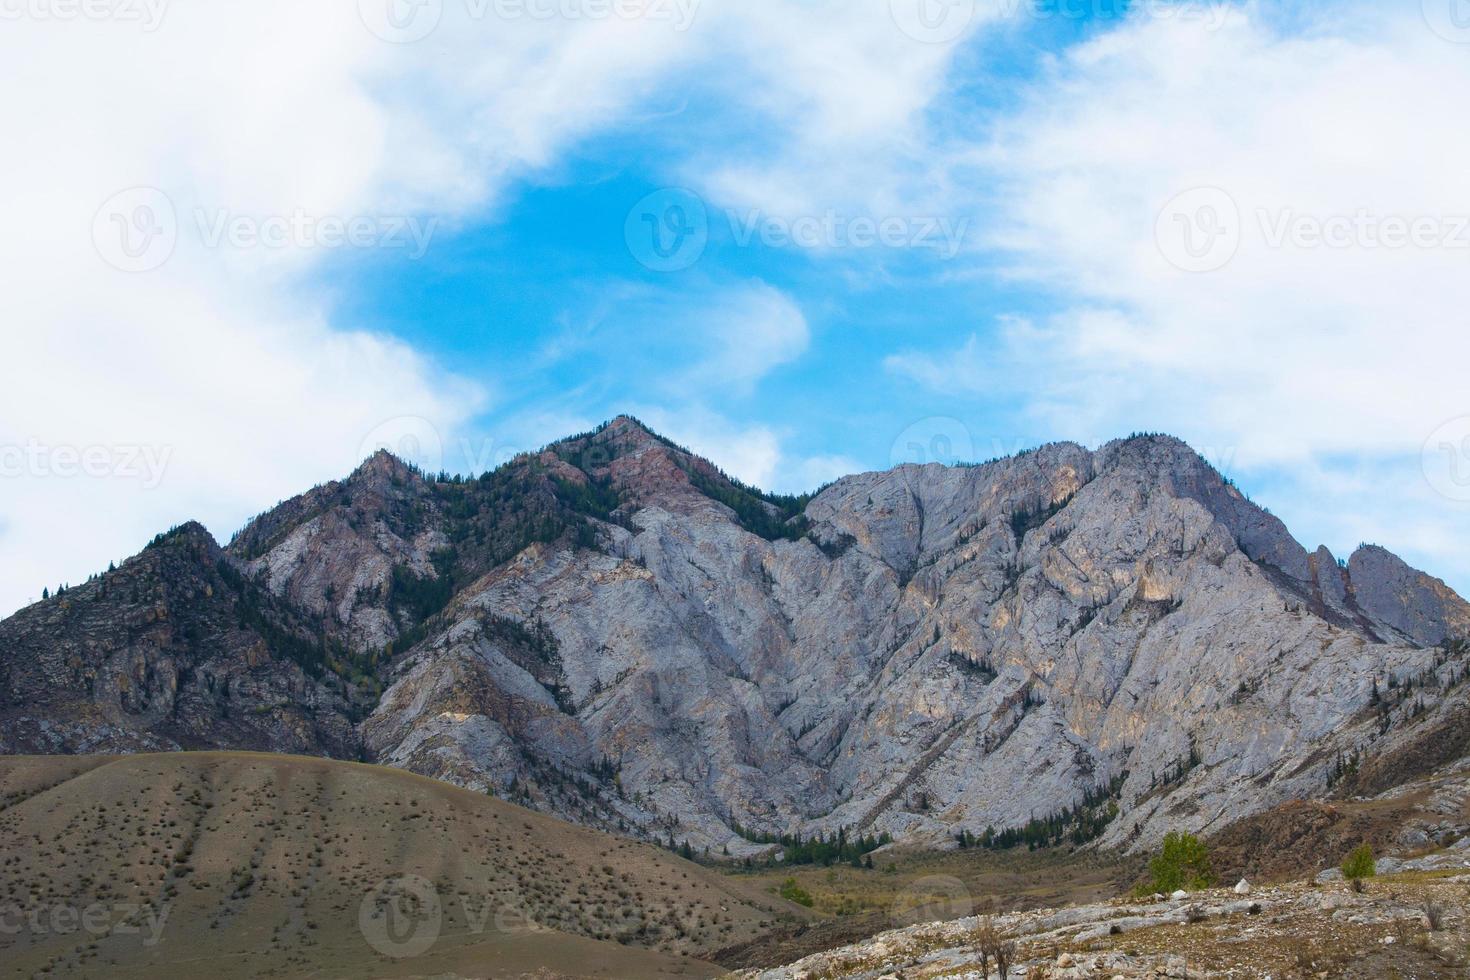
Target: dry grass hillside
235, 864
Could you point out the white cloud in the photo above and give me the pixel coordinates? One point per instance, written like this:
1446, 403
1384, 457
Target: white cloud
227, 359
224, 358
805, 475
1359, 346
749, 331
841, 95
754, 454
751, 453
1327, 361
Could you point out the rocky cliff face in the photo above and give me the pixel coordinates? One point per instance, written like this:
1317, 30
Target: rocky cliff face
174, 650
613, 630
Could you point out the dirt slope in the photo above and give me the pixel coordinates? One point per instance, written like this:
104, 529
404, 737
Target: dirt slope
239, 864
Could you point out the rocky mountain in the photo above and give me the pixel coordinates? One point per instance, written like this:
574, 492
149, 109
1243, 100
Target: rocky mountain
177, 649
1062, 644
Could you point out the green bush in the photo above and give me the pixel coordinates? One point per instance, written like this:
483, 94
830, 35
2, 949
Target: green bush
1359, 864
793, 892
1184, 863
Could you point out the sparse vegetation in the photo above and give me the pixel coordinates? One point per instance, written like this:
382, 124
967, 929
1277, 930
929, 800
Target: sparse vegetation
1433, 916
793, 892
1075, 825
303, 844
772, 516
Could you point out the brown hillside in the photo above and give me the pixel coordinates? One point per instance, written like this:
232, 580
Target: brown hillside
261, 865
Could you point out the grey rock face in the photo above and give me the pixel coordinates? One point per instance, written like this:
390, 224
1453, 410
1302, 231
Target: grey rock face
1415, 605
613, 630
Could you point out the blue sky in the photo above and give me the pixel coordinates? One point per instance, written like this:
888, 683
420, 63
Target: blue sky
1235, 222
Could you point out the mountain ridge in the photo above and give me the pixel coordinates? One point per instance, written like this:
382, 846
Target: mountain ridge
614, 630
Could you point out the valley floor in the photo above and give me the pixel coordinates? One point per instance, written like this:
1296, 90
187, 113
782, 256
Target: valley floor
906, 887
1411, 924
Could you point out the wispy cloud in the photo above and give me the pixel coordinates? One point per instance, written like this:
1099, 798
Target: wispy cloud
1252, 234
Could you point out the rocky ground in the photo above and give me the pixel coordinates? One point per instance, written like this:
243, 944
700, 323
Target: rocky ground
1412, 923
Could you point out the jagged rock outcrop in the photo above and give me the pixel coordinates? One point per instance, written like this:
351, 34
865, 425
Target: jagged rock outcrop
614, 630
1404, 599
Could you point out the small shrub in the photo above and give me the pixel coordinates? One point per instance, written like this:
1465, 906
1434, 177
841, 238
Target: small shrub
1184, 863
992, 946
793, 892
1359, 864
1434, 916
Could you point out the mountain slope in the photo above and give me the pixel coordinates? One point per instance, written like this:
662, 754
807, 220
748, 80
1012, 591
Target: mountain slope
613, 630
271, 864
175, 649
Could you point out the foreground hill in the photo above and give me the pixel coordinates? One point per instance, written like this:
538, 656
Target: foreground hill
1065, 644
246, 865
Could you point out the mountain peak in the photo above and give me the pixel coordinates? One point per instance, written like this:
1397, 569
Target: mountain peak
381, 464
190, 532
1417, 604
630, 433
